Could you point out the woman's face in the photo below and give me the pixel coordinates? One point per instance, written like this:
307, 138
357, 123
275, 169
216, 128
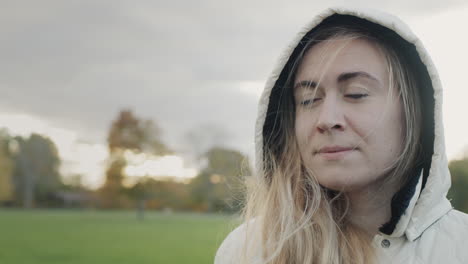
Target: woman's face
348, 120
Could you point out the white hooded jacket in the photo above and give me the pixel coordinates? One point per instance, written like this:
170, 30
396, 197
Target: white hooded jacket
424, 227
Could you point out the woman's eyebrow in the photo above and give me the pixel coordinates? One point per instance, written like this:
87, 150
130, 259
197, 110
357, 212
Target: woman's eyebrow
346, 76
350, 75
306, 84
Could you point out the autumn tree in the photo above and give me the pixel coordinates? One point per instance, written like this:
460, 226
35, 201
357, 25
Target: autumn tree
219, 186
162, 194
6, 168
458, 193
127, 132
36, 172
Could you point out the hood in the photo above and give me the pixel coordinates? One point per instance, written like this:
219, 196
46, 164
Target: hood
422, 201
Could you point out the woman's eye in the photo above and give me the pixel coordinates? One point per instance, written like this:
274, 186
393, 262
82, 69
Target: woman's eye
309, 101
356, 96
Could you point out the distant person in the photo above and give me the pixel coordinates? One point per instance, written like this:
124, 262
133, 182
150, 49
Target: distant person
351, 163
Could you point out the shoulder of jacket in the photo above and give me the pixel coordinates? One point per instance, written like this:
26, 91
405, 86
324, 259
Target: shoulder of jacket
444, 241
453, 222
231, 247
457, 219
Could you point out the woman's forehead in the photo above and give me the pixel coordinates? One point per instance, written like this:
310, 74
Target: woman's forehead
337, 56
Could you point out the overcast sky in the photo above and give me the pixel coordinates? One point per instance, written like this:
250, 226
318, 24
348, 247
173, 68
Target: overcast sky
188, 65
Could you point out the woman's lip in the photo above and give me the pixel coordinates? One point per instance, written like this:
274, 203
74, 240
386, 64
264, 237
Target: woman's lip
334, 149
334, 153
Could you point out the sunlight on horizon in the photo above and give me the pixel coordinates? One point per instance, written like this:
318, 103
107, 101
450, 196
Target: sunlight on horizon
78, 158
146, 165
90, 159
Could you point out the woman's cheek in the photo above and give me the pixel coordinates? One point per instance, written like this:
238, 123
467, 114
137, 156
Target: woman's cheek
303, 126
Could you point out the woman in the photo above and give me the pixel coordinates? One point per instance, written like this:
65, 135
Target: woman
351, 165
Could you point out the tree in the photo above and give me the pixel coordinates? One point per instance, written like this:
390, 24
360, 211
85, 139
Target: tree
203, 137
36, 174
127, 132
132, 133
161, 194
219, 186
111, 193
6, 168
457, 193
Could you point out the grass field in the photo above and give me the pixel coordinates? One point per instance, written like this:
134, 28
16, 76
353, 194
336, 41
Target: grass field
58, 236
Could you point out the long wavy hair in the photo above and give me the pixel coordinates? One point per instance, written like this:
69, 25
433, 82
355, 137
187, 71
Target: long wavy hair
289, 216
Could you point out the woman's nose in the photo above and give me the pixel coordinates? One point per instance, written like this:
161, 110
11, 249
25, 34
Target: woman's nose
331, 116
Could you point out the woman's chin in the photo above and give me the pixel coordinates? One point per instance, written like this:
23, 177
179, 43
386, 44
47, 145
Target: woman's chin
343, 185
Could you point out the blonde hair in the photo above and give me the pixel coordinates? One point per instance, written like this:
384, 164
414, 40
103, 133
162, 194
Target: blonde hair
288, 213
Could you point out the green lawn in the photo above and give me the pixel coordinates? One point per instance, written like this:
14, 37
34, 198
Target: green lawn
63, 236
